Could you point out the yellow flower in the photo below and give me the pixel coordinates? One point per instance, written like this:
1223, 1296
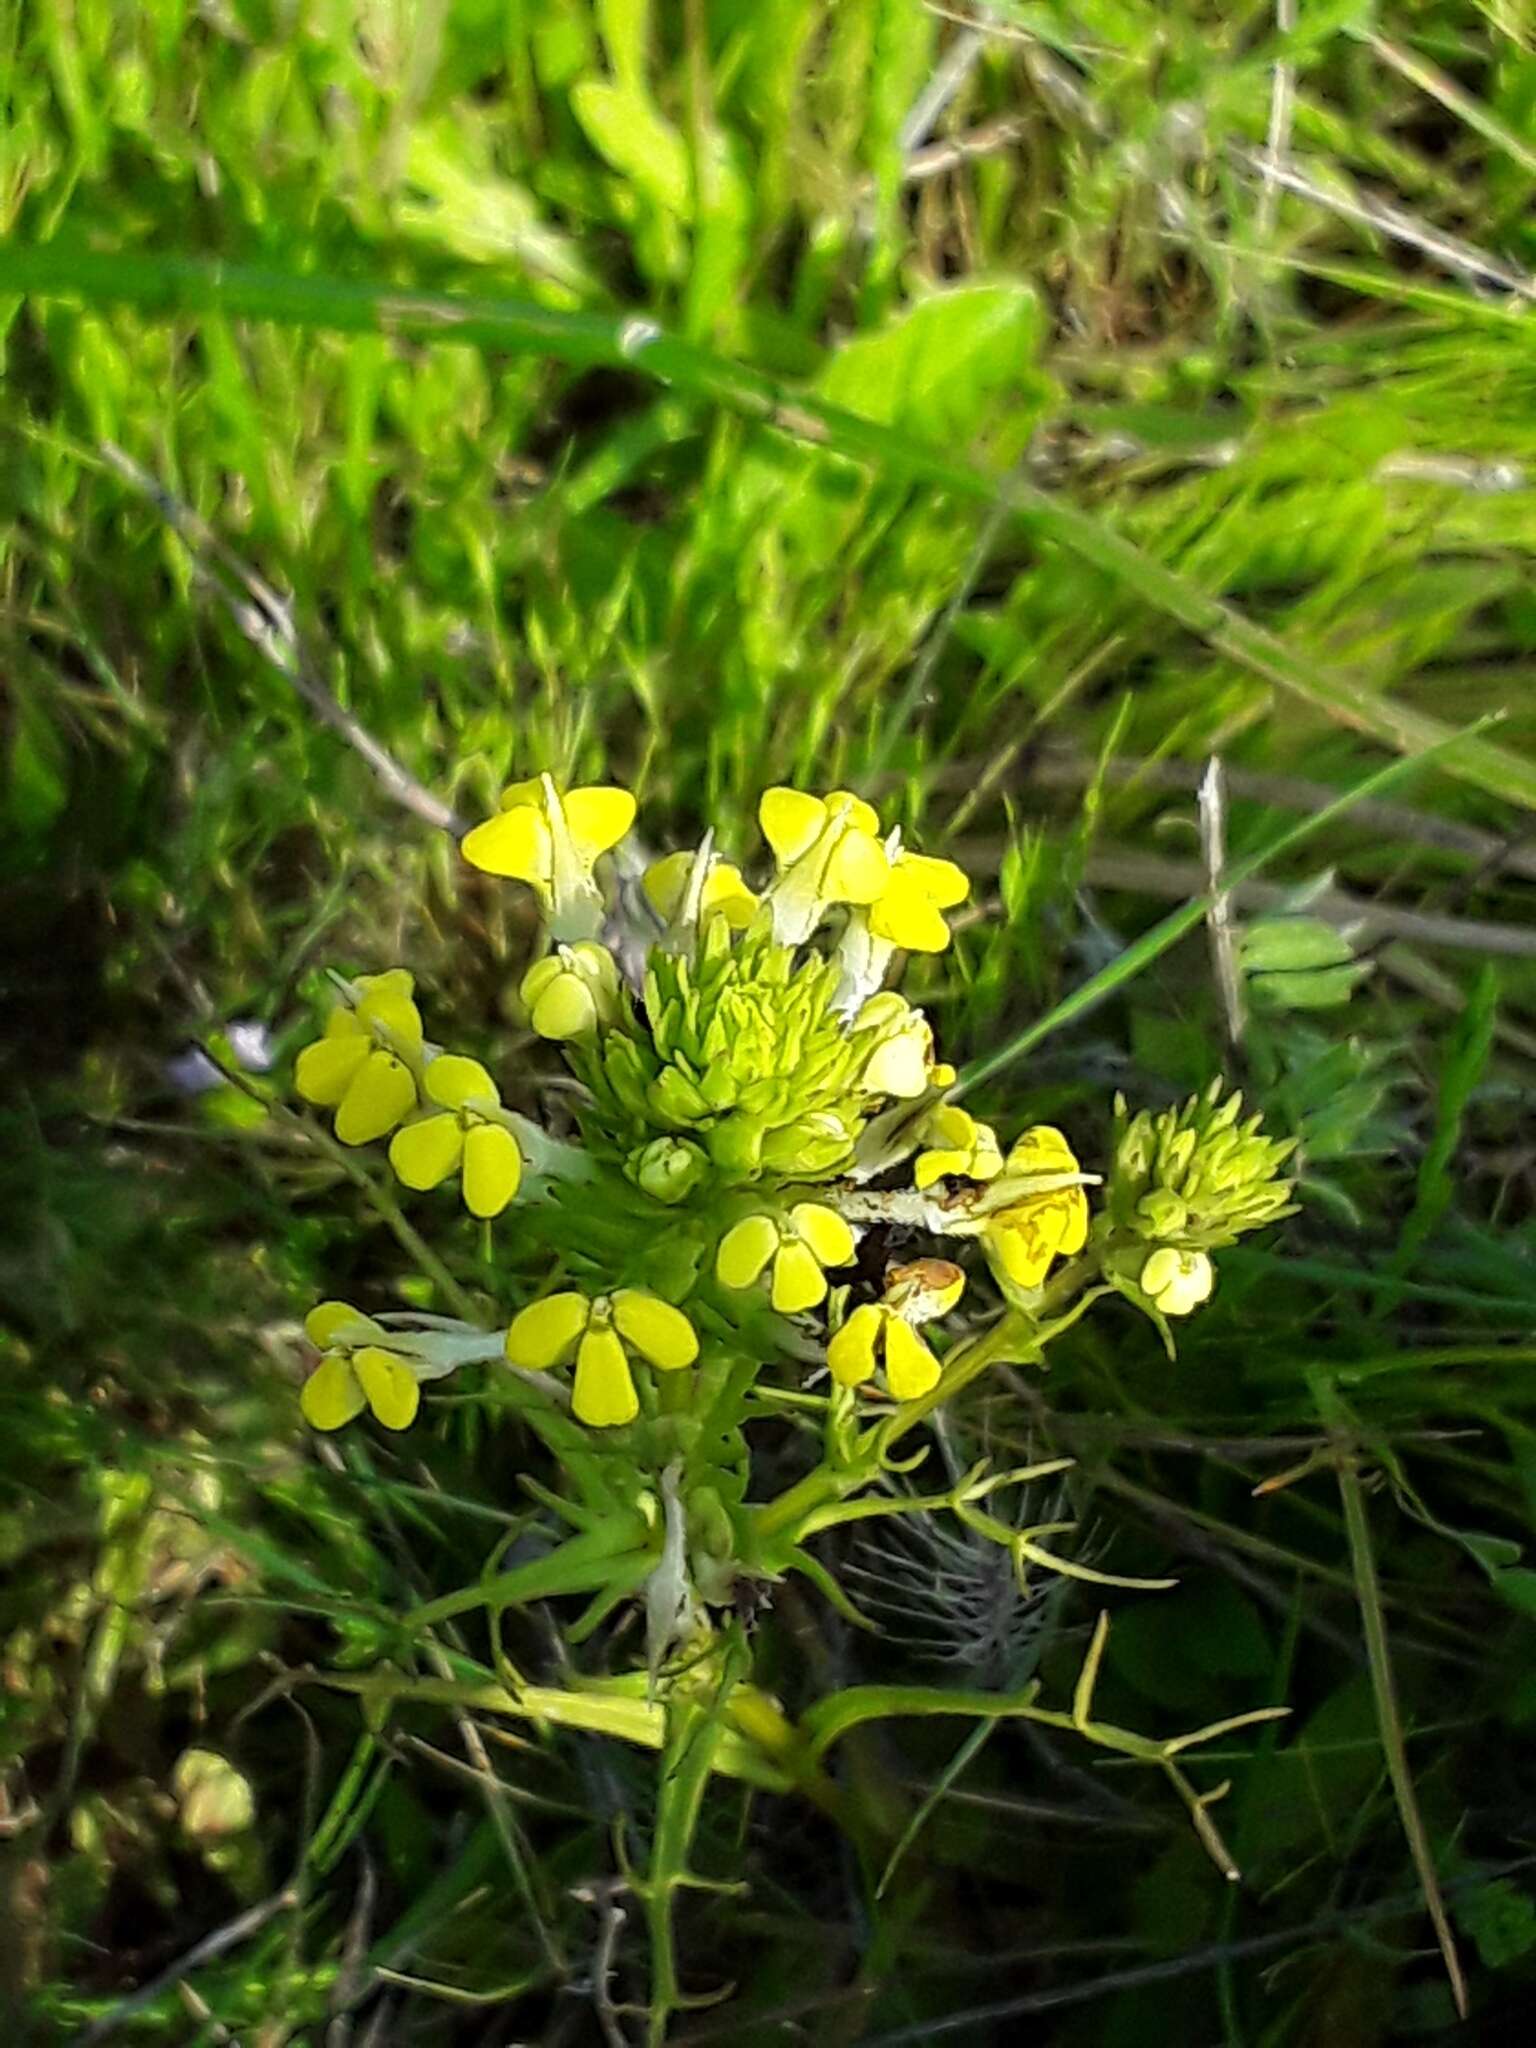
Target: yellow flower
811, 1237
465, 1137
362, 1066
358, 1369
907, 911
724, 892
1027, 1234
901, 1062
956, 1144
1177, 1282
603, 1394
552, 842
827, 850
874, 1335
572, 991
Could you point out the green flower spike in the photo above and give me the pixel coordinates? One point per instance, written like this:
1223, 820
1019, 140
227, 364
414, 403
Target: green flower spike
1194, 1177
598, 1329
358, 1369
466, 1137
552, 842
828, 851
362, 1066
810, 1238
572, 992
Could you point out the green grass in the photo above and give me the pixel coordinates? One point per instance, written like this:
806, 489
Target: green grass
1004, 471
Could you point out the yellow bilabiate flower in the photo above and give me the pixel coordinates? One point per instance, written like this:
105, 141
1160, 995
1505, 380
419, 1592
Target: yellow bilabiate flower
465, 1137
724, 893
552, 842
1177, 1282
956, 1144
572, 991
877, 1335
827, 850
907, 912
1027, 1235
800, 1245
362, 1066
598, 1329
357, 1370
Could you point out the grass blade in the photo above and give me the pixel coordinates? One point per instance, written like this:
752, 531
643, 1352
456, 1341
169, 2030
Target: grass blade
171, 285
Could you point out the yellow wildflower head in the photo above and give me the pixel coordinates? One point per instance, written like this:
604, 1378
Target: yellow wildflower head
463, 1135
721, 891
358, 1369
1177, 1282
885, 1332
573, 991
1030, 1230
364, 1065
956, 1143
552, 842
800, 1245
602, 1330
827, 850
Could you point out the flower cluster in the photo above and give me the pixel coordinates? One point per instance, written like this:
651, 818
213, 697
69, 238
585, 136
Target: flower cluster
749, 1104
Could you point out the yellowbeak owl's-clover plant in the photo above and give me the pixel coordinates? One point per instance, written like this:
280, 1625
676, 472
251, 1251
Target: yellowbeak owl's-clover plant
755, 1110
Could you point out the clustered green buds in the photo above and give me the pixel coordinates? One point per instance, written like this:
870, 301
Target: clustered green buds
1184, 1183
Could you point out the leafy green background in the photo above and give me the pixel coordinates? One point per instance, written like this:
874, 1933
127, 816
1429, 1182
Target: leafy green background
1011, 442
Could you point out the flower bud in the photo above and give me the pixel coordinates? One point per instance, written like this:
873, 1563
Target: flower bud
668, 1169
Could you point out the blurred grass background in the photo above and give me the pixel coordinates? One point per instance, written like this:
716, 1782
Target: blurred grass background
1195, 343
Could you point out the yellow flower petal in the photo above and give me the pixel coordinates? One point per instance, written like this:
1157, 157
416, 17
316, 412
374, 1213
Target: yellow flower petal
858, 871
851, 1353
940, 880
664, 883
543, 1333
515, 842
331, 1323
423, 1154
744, 1251
565, 1008
325, 1070
331, 1395
798, 1281
597, 818
453, 1081
907, 916
910, 1367
493, 1168
394, 985
899, 1067
727, 895
381, 1094
393, 1015
1029, 1236
853, 811
603, 1392
824, 1231
1177, 1281
393, 1391
1042, 1149
791, 822
661, 1333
